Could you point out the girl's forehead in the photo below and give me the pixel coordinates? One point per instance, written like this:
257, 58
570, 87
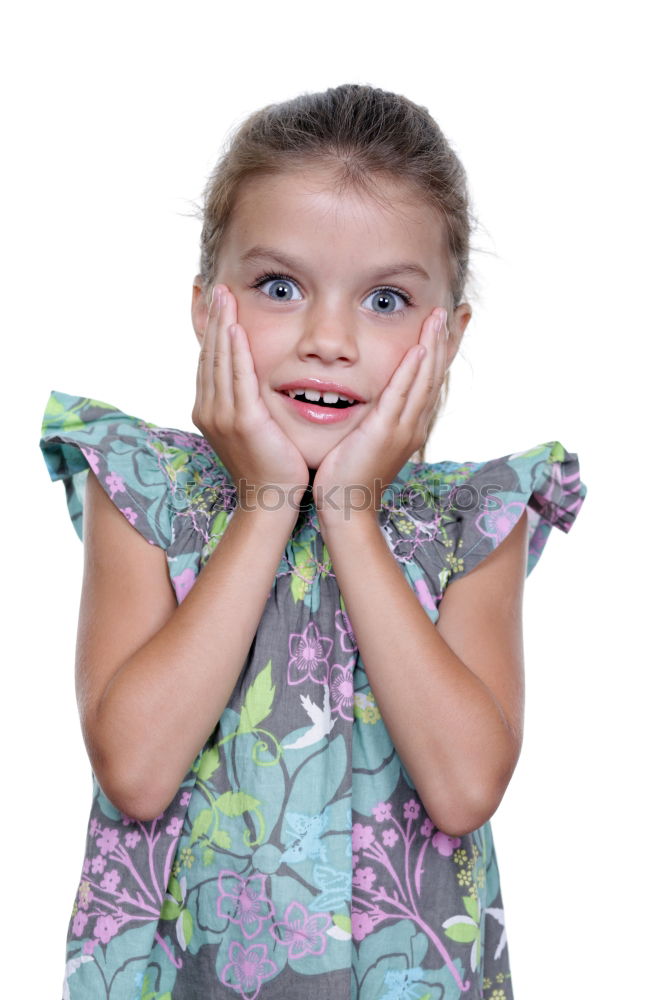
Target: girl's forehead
324, 185
311, 203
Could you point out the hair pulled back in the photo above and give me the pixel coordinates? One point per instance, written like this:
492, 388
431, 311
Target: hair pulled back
365, 134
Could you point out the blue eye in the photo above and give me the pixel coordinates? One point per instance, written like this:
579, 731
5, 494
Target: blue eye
387, 301
280, 288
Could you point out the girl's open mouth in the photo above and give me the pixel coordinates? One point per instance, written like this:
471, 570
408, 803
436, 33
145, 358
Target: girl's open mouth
329, 408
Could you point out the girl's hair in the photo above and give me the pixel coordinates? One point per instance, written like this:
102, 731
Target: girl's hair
366, 134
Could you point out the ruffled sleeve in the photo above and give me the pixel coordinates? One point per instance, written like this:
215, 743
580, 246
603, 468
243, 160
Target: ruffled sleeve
447, 516
124, 453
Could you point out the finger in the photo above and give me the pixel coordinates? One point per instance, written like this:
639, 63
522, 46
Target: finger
222, 360
408, 389
422, 398
204, 368
245, 384
394, 397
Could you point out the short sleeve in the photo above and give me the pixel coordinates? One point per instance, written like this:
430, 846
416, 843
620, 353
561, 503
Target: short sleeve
448, 516
486, 505
79, 434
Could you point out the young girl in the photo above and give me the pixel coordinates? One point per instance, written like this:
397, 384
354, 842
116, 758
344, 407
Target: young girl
299, 663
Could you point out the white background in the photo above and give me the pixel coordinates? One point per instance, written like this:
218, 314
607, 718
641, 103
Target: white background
113, 116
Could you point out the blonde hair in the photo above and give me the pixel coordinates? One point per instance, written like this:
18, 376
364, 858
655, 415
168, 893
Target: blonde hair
365, 133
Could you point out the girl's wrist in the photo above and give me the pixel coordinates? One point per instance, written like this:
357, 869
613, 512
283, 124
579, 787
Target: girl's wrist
347, 521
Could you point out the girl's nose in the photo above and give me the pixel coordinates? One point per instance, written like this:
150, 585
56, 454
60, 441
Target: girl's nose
330, 334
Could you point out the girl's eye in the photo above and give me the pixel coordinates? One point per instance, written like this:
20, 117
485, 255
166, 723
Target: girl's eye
280, 288
387, 300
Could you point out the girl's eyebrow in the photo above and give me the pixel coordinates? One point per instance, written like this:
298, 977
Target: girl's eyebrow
294, 264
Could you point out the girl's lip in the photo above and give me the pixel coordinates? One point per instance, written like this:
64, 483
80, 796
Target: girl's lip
321, 386
317, 414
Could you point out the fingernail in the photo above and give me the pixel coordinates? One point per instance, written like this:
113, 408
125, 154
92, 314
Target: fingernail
438, 322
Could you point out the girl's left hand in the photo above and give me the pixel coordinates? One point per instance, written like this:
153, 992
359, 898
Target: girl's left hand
355, 473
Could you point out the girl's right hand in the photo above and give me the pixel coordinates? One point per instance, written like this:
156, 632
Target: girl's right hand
234, 419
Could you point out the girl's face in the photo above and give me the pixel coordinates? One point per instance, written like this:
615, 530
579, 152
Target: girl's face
331, 288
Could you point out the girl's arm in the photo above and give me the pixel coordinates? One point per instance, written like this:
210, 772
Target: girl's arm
450, 694
152, 676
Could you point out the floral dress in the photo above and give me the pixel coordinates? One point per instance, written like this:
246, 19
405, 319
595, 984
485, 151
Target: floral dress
296, 859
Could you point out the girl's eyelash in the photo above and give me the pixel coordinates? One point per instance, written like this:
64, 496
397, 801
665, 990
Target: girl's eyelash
274, 276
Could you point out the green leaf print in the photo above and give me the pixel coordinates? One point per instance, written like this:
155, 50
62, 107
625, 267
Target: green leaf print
342, 921
179, 460
173, 889
236, 803
220, 523
201, 824
471, 904
304, 566
209, 763
184, 928
557, 453
170, 909
258, 701
464, 930
222, 839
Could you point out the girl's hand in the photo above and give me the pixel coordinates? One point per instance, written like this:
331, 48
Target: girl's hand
355, 473
232, 416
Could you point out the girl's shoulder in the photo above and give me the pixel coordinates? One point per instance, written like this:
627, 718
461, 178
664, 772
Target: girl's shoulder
446, 517
151, 473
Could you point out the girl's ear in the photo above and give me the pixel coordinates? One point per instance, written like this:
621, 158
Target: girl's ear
199, 308
457, 324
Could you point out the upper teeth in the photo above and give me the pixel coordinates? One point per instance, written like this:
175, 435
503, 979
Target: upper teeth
314, 396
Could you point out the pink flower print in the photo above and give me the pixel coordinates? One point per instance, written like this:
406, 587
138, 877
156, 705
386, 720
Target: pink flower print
92, 459
382, 811
364, 877
108, 840
389, 837
110, 880
347, 637
174, 826
498, 523
411, 809
247, 969
445, 845
94, 827
301, 932
105, 928
98, 864
427, 827
183, 583
309, 652
115, 483
89, 947
362, 836
80, 921
244, 901
86, 866
361, 925
132, 838
355, 860
130, 514
185, 798
342, 690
